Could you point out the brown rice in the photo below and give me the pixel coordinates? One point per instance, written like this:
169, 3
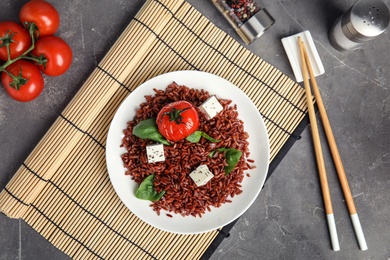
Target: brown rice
172, 175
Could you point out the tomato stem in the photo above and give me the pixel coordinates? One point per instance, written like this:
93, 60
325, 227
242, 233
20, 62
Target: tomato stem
17, 81
6, 41
32, 28
8, 52
175, 115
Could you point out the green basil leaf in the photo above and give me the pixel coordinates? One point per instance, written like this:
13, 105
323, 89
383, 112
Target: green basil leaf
232, 157
147, 129
195, 137
146, 190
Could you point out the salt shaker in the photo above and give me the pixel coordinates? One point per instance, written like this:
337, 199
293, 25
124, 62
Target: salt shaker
364, 21
246, 17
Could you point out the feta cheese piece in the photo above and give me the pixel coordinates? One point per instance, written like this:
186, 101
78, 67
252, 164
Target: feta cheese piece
211, 107
201, 175
155, 153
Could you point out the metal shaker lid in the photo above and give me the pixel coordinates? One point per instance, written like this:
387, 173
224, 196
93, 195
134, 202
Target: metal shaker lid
366, 19
255, 26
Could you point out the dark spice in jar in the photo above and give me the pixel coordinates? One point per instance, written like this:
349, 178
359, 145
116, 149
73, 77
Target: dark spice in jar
243, 9
246, 17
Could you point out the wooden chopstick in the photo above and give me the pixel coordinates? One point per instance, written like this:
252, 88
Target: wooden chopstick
318, 152
336, 157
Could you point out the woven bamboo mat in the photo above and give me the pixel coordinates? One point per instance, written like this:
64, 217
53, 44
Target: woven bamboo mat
62, 189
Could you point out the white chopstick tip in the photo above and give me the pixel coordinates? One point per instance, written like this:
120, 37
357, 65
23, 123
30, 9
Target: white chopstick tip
359, 232
333, 232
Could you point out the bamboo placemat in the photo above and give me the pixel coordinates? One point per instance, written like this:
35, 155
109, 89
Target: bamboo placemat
62, 189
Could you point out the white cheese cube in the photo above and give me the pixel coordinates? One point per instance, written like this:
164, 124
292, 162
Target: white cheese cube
201, 175
155, 153
211, 107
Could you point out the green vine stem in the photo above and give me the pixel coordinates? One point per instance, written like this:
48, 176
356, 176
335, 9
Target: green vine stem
8, 52
32, 28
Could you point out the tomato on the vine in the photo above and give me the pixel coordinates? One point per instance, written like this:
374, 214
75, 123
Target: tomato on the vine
43, 14
57, 53
177, 120
26, 83
16, 36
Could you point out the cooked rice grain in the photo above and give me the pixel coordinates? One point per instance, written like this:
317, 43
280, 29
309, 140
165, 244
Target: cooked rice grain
182, 195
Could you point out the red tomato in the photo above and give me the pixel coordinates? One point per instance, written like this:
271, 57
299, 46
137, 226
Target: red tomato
177, 120
32, 87
57, 52
43, 14
19, 40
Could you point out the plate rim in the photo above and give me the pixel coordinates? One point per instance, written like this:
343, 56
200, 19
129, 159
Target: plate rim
138, 91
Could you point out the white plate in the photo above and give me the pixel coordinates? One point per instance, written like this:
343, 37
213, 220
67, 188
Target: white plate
258, 147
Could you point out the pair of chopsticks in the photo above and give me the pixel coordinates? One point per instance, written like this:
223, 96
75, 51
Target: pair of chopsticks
305, 67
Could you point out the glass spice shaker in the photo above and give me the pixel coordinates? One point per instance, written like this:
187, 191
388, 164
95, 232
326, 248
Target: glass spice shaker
246, 17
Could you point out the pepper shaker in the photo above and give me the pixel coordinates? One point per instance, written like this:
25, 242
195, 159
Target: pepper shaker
364, 21
246, 17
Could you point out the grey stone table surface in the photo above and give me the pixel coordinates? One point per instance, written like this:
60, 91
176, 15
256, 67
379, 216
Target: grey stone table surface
287, 220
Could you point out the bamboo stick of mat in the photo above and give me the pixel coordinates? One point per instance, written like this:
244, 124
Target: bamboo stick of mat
318, 151
337, 159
